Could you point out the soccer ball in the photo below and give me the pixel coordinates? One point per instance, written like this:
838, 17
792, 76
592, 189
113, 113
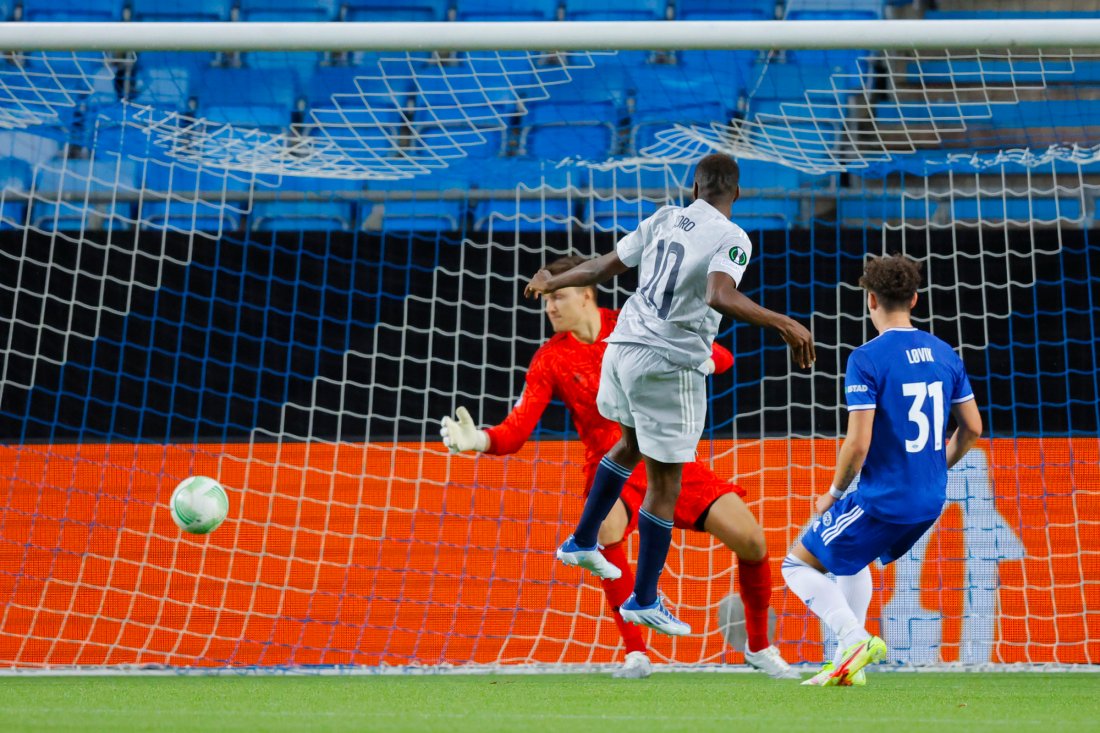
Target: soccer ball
199, 505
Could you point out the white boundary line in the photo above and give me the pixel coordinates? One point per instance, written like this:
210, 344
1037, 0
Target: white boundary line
154, 670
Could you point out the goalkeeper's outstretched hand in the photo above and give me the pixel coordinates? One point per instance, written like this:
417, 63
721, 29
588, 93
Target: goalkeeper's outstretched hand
461, 434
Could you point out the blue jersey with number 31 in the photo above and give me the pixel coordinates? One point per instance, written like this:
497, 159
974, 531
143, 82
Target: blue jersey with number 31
910, 379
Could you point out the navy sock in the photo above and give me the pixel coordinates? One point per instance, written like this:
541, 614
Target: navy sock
654, 537
606, 488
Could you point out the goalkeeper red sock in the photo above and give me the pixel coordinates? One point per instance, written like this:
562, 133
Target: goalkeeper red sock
618, 591
754, 580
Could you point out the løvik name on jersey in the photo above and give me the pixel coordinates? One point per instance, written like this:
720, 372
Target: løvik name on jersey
911, 379
675, 250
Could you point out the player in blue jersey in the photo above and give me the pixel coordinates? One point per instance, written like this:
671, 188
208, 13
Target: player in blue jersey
900, 387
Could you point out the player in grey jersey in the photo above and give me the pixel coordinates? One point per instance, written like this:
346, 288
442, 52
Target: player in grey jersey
690, 262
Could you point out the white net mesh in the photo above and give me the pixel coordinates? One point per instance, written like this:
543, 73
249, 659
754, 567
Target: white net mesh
210, 268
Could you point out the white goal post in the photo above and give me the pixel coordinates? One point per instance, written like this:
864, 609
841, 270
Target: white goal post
559, 36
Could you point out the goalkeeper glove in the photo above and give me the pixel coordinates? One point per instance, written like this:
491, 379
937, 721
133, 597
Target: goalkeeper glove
461, 434
707, 367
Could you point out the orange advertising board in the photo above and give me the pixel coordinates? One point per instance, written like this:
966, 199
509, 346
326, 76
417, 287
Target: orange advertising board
400, 554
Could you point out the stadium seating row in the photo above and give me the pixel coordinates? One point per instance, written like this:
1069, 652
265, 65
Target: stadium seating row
124, 191
121, 193
482, 10
438, 10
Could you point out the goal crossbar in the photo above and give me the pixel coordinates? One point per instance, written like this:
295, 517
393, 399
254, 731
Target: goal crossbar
561, 35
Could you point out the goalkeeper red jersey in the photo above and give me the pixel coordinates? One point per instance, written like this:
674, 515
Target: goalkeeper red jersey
569, 370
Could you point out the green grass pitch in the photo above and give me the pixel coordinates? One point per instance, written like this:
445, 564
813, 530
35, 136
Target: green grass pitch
694, 703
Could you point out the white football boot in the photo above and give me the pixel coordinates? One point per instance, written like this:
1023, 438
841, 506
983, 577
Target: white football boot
636, 667
771, 662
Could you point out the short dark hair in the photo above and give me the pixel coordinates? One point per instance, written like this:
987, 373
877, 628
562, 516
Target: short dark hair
893, 278
563, 264
718, 176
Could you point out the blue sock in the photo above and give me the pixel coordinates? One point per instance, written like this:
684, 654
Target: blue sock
606, 487
654, 537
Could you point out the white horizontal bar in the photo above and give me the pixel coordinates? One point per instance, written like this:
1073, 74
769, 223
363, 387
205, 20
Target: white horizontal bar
561, 35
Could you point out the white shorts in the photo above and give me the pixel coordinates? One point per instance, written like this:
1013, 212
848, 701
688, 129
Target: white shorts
664, 403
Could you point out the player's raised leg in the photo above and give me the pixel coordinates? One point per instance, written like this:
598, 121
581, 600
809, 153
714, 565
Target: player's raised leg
582, 548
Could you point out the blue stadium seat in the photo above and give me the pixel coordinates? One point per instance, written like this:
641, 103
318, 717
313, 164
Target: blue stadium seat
53, 11
362, 127
254, 98
5, 9
1034, 210
776, 80
623, 211
766, 176
163, 87
15, 177
977, 72
797, 129
197, 198
862, 212
300, 63
68, 79
329, 81
518, 70
720, 67
559, 131
79, 176
507, 10
616, 9
580, 119
181, 10
834, 9
434, 214
28, 147
508, 213
165, 78
796, 112
458, 112
396, 10
840, 62
175, 59
330, 214
457, 93
725, 9
761, 214
296, 11
664, 96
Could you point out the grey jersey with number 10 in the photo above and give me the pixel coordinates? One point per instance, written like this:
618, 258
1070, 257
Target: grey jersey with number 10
675, 250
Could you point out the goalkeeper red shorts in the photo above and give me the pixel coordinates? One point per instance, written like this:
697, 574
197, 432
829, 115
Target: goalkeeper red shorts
699, 488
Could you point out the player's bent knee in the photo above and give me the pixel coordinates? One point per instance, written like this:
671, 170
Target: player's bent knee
754, 547
614, 526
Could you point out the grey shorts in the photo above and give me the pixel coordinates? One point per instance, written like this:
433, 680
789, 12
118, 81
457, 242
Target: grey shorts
664, 403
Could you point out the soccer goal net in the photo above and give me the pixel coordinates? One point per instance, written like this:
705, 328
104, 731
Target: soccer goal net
280, 269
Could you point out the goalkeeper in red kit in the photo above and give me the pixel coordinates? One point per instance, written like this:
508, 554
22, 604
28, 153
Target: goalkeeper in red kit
568, 367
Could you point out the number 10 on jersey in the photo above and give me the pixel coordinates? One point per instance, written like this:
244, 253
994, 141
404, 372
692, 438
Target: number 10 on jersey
662, 299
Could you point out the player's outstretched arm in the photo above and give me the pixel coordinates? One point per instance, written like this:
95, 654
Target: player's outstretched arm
969, 429
724, 297
460, 434
591, 272
850, 459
